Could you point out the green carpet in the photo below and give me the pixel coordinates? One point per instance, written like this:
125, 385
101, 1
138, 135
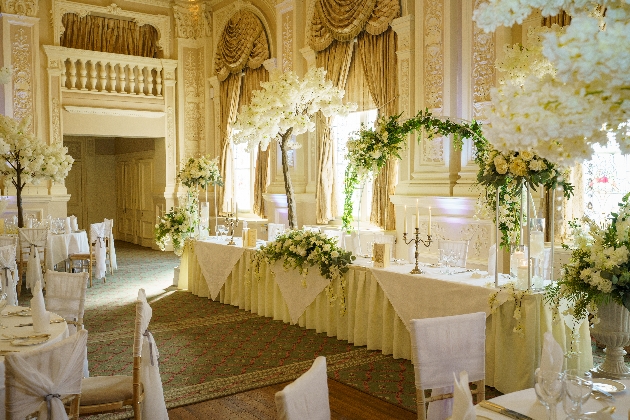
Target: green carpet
210, 350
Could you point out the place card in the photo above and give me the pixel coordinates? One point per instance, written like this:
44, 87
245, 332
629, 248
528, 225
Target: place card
252, 237
381, 253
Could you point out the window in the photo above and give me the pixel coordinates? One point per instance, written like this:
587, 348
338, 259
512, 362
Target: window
606, 180
342, 130
244, 176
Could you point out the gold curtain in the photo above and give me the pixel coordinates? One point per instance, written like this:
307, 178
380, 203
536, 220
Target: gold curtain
96, 33
343, 20
336, 60
230, 91
243, 45
562, 19
251, 82
378, 56
243, 42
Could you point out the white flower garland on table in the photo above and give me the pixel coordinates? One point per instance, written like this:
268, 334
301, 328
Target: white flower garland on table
299, 250
200, 172
583, 96
508, 293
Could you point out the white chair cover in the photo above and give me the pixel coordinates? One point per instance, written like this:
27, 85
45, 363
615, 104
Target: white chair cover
8, 273
8, 240
443, 346
334, 234
460, 248
273, 230
109, 231
307, 397
97, 238
386, 239
35, 241
37, 380
65, 295
154, 406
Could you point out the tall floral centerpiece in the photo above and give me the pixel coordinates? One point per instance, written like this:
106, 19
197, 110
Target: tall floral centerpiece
29, 160
285, 106
200, 172
178, 225
575, 88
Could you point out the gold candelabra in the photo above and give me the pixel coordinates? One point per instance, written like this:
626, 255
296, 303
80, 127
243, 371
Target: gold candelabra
231, 222
417, 240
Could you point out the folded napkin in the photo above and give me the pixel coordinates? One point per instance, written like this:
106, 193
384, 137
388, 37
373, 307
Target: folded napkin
552, 356
463, 408
68, 225
41, 317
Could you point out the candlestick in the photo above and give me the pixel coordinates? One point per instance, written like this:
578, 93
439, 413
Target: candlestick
416, 241
429, 231
405, 219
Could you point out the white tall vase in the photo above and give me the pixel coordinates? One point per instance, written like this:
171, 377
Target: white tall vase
613, 330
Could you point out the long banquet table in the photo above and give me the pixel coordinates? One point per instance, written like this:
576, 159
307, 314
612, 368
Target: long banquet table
380, 304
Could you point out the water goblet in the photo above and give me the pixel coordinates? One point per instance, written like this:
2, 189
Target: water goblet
578, 386
221, 230
549, 390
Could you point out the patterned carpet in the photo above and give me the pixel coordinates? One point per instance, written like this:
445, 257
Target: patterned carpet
210, 350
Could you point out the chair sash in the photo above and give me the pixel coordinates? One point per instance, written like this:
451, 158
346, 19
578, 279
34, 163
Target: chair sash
8, 268
97, 237
41, 392
34, 268
109, 225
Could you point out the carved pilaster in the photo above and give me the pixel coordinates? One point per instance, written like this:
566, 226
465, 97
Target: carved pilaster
171, 128
191, 21
285, 22
20, 7
194, 100
434, 54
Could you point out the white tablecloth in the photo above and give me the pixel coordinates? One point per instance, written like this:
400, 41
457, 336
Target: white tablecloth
62, 245
57, 333
525, 402
380, 304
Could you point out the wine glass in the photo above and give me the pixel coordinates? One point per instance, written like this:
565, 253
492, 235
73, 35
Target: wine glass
578, 386
221, 230
549, 390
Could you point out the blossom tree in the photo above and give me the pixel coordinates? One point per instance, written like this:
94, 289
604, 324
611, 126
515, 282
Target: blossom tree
285, 107
573, 89
29, 160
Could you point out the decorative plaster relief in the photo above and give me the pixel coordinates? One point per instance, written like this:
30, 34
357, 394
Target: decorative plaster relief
433, 53
20, 7
404, 105
56, 121
194, 97
190, 21
161, 23
22, 62
170, 135
433, 150
482, 64
287, 41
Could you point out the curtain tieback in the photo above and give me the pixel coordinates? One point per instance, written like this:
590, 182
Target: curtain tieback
48, 398
149, 337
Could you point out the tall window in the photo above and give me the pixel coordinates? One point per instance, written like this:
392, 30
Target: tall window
606, 180
342, 130
244, 173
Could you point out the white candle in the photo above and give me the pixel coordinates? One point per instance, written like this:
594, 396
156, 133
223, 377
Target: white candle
405, 231
429, 221
417, 215
236, 211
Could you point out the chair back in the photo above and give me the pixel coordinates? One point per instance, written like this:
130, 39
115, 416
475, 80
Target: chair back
9, 272
334, 234
386, 239
40, 380
446, 345
35, 239
273, 230
8, 240
109, 244
307, 397
65, 296
459, 247
98, 248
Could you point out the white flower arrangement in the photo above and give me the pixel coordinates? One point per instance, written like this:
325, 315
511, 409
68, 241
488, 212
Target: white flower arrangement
299, 250
178, 225
200, 172
509, 293
287, 102
576, 92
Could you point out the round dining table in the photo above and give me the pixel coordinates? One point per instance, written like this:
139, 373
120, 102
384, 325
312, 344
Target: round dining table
525, 402
16, 335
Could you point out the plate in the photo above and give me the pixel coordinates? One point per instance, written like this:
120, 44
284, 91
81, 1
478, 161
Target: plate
29, 341
608, 385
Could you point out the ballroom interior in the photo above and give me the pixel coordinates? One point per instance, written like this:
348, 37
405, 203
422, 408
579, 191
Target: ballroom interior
134, 89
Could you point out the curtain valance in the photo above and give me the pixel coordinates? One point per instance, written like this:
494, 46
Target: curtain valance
243, 42
343, 20
97, 33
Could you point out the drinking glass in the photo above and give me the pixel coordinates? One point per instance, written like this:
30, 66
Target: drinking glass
578, 386
448, 257
221, 230
549, 390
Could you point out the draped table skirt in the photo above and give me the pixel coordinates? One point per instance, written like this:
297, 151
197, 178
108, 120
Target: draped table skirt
371, 320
